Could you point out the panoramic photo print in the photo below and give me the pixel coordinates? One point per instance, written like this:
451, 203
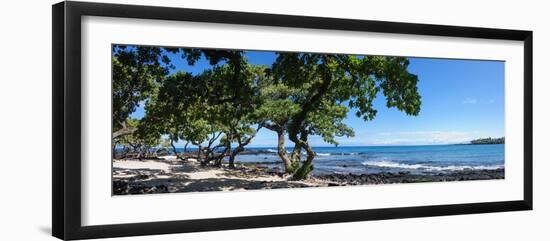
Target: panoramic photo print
200, 120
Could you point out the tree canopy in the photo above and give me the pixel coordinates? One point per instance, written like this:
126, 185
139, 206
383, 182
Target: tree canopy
136, 72
221, 109
311, 94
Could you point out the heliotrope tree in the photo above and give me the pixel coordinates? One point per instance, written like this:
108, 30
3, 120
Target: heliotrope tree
136, 70
311, 94
207, 108
176, 111
299, 96
141, 142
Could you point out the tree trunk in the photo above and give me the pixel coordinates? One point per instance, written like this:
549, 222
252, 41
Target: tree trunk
124, 131
313, 101
199, 156
232, 159
298, 146
185, 147
173, 147
307, 166
114, 152
208, 155
125, 150
296, 153
233, 155
282, 151
218, 159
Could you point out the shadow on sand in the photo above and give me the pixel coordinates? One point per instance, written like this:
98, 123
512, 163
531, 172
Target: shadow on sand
122, 187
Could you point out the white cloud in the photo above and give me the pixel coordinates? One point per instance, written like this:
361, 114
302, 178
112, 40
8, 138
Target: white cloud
471, 101
422, 137
435, 137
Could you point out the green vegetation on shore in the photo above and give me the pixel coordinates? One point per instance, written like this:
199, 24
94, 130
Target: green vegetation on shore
489, 140
221, 109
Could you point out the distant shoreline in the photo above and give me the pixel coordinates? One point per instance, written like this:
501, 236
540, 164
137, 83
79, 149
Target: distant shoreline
478, 144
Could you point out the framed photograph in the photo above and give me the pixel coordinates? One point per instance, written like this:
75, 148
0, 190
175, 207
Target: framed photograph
170, 120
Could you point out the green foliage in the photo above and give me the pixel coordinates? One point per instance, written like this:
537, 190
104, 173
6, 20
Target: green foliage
165, 143
299, 95
140, 142
327, 122
136, 70
130, 140
318, 90
176, 110
276, 104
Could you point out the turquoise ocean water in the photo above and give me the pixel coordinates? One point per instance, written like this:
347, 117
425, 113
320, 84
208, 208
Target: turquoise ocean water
373, 159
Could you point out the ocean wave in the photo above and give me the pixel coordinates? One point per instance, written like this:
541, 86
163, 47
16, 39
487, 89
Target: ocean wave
390, 164
344, 154
321, 153
337, 154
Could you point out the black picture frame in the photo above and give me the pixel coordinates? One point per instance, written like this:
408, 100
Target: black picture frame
66, 128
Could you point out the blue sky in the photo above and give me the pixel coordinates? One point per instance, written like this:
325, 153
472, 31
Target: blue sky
461, 100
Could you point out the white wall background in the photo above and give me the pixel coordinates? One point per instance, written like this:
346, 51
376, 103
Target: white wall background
25, 119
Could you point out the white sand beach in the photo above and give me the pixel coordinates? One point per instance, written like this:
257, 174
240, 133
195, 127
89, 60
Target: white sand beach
171, 175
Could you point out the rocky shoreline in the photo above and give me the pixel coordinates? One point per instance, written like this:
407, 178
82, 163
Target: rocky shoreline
156, 176
338, 179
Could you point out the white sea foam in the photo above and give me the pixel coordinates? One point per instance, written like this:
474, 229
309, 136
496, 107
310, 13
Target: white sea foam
323, 154
168, 157
271, 150
391, 164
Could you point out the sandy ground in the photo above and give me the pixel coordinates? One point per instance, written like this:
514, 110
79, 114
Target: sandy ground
168, 175
194, 172
172, 175
136, 165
